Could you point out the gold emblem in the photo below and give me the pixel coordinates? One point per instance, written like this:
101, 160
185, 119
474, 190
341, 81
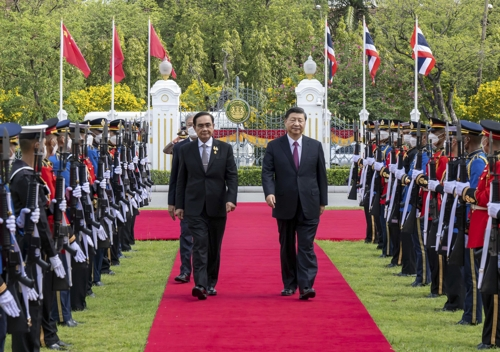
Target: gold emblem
382, 122
412, 126
393, 125
215, 149
237, 111
430, 123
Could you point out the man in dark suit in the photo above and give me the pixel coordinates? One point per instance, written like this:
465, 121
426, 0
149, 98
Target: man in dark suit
295, 186
185, 239
207, 185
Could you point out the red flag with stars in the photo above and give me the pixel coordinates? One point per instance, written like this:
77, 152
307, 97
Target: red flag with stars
72, 53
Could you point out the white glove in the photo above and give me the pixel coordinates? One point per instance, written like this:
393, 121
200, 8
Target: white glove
11, 224
103, 183
370, 161
135, 159
143, 161
461, 186
415, 173
133, 202
57, 266
118, 170
493, 209
63, 205
393, 168
68, 192
107, 175
35, 217
400, 173
89, 241
131, 167
432, 185
79, 256
449, 186
77, 192
144, 194
21, 218
32, 294
86, 187
101, 233
378, 166
9, 305
355, 158
119, 215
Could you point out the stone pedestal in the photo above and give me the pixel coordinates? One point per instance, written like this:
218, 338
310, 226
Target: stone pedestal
310, 95
165, 120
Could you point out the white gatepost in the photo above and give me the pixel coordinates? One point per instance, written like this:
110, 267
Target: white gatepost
165, 113
310, 94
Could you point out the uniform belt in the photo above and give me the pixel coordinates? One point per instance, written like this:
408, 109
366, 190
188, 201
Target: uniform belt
477, 207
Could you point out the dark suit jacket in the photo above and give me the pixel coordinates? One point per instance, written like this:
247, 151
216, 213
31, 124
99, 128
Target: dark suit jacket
175, 170
196, 189
308, 185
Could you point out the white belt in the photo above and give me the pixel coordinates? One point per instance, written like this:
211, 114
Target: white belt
477, 207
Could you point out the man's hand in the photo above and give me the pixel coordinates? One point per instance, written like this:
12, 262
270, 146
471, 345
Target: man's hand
355, 158
449, 187
461, 186
432, 185
400, 173
271, 201
57, 266
378, 166
230, 207
415, 173
370, 161
9, 305
321, 209
179, 213
493, 209
171, 211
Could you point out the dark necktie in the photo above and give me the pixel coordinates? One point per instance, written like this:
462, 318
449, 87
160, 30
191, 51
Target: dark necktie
296, 154
204, 157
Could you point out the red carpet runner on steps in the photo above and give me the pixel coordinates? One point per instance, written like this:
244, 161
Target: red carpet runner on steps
336, 225
248, 314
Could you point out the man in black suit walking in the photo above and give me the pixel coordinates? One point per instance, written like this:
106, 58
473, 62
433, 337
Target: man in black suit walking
207, 185
295, 186
185, 239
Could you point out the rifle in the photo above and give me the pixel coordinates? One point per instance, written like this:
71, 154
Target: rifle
393, 213
21, 324
102, 210
457, 250
433, 206
353, 193
60, 230
488, 284
390, 186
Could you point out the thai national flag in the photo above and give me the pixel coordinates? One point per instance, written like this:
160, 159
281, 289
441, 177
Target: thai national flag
330, 54
372, 53
425, 60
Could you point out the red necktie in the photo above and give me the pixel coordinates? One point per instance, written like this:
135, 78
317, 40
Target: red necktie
296, 154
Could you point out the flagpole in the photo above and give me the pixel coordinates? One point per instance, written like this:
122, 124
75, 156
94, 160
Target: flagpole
364, 64
325, 100
149, 72
113, 73
61, 74
416, 69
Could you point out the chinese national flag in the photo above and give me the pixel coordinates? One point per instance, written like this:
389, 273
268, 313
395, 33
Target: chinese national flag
72, 54
157, 49
119, 74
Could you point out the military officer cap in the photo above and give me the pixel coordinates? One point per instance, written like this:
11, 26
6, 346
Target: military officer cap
471, 128
436, 124
384, 124
491, 127
369, 124
51, 125
13, 130
96, 123
414, 127
81, 127
32, 132
394, 124
114, 125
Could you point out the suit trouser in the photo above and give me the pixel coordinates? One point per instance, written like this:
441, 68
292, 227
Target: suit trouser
436, 266
370, 223
207, 235
473, 303
422, 261
299, 265
30, 341
453, 281
408, 258
98, 259
185, 248
395, 240
78, 290
3, 329
491, 327
49, 328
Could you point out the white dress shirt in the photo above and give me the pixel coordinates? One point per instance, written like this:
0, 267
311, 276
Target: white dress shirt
292, 147
209, 146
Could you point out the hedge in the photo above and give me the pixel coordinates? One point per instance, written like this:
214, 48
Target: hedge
251, 176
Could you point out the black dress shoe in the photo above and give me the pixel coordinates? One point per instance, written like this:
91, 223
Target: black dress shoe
485, 346
91, 294
464, 322
432, 295
212, 291
416, 284
199, 292
182, 278
308, 293
444, 309
383, 255
287, 292
391, 265
109, 272
54, 346
98, 283
401, 274
63, 344
70, 323
380, 246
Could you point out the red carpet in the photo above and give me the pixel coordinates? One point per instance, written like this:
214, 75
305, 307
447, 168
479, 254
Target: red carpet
249, 314
335, 225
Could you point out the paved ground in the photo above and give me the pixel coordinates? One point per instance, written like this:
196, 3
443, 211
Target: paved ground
159, 199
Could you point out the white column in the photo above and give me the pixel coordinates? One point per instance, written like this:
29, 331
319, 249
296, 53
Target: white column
310, 93
166, 121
